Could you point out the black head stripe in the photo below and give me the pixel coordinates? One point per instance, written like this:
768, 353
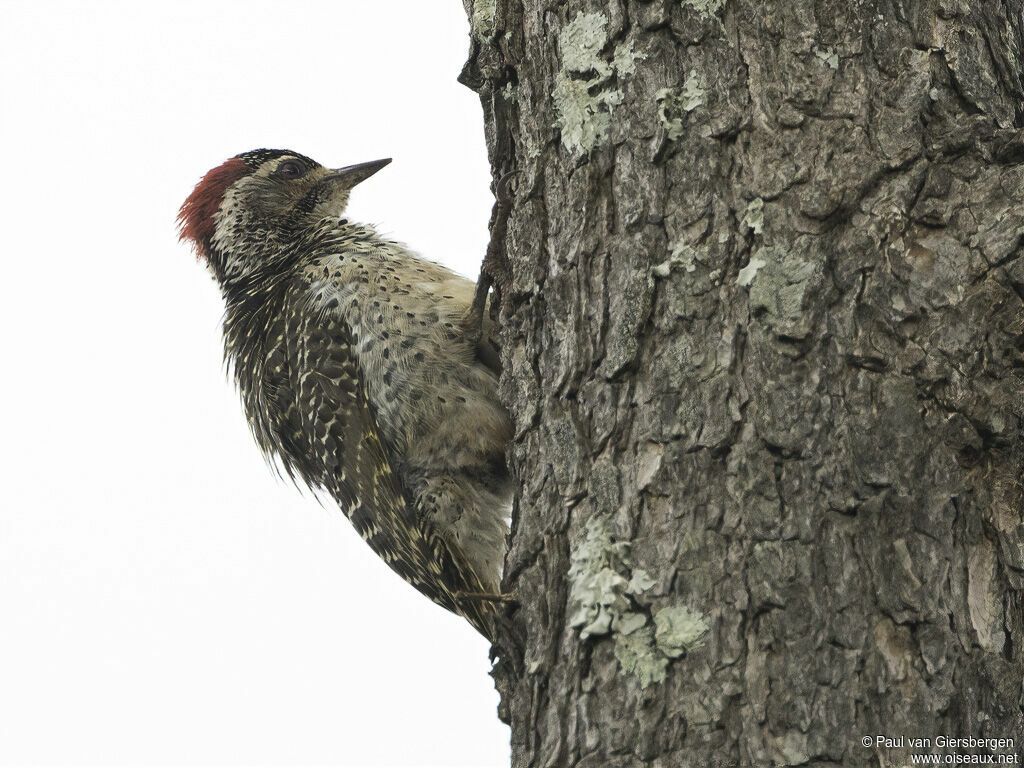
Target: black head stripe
257, 157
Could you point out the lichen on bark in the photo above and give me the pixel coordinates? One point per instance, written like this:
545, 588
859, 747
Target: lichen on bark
583, 95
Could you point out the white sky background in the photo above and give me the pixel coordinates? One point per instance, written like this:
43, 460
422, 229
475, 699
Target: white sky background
164, 599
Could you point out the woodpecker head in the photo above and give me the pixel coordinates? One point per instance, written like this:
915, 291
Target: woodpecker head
243, 214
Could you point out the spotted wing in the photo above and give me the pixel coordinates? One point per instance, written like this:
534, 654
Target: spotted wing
345, 454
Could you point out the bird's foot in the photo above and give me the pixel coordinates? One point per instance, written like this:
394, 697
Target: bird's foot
494, 271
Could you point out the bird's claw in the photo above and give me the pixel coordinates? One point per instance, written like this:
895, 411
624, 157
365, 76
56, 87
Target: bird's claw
505, 193
494, 271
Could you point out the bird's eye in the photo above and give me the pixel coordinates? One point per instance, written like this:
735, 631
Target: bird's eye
289, 170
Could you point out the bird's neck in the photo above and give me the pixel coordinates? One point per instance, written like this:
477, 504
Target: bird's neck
255, 300
253, 309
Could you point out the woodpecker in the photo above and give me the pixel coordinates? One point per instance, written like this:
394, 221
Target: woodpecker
362, 368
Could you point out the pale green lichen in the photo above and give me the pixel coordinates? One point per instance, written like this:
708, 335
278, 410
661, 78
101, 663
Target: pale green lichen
630, 622
638, 657
747, 274
598, 591
583, 118
625, 58
693, 94
640, 582
683, 255
601, 587
753, 216
509, 92
827, 55
482, 20
675, 105
580, 43
678, 630
583, 99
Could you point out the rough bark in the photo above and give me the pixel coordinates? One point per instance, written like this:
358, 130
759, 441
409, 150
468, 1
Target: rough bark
764, 348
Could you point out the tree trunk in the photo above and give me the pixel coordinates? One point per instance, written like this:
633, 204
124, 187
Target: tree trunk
764, 346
